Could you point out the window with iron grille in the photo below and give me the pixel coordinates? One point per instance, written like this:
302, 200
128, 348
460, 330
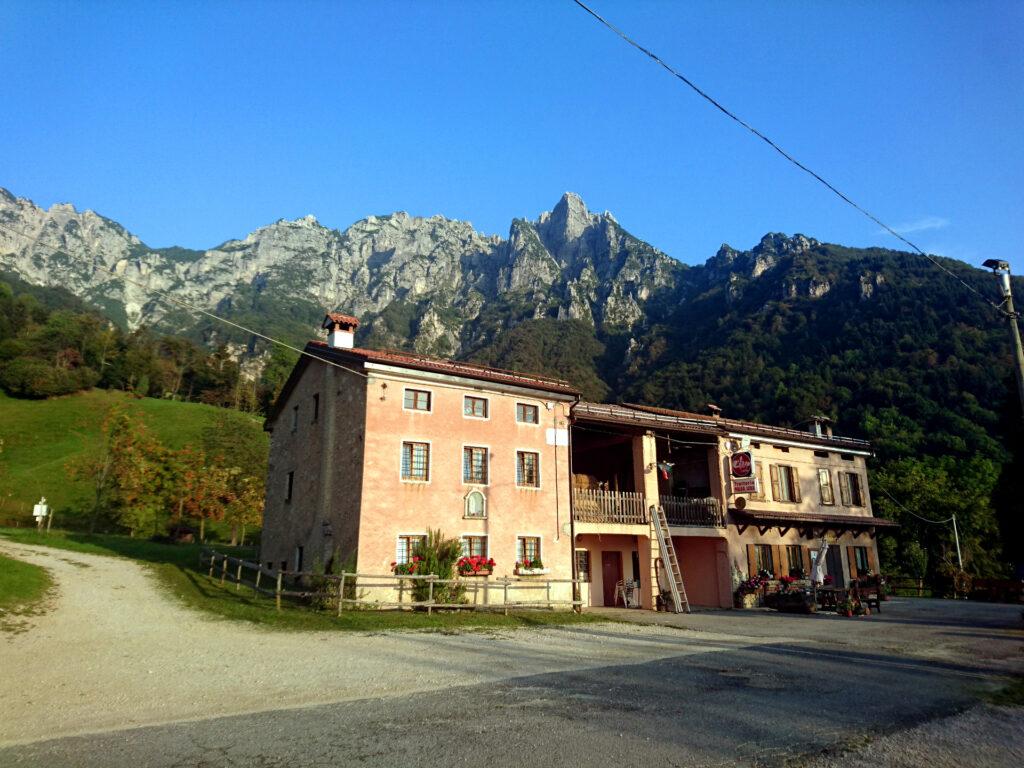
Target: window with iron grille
475, 407
417, 400
583, 564
295, 418
316, 407
527, 469
416, 461
527, 549
474, 546
406, 546
476, 505
474, 465
527, 414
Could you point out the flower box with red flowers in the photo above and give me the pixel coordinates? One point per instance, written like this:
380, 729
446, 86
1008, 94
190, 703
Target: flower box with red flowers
477, 565
408, 568
531, 568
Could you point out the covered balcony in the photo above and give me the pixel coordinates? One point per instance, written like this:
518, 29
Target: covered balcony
621, 469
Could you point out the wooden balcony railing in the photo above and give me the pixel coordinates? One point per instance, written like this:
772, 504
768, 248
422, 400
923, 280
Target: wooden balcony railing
591, 506
706, 512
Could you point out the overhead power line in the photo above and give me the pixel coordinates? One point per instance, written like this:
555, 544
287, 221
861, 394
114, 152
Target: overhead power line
790, 158
925, 519
180, 302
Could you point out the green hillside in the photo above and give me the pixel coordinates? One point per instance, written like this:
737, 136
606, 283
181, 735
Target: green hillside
40, 437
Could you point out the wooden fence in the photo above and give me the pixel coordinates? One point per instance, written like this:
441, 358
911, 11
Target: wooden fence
350, 590
906, 586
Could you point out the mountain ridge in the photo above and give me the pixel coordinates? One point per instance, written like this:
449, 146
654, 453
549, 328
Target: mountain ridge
881, 341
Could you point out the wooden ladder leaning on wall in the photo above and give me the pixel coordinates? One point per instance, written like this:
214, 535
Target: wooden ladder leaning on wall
675, 576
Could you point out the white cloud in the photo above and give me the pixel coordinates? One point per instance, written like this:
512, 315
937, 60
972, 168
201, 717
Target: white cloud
923, 224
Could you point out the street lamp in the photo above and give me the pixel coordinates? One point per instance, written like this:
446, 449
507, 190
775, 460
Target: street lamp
1001, 270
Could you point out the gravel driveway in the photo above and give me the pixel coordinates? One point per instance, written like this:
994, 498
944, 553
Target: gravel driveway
119, 674
118, 652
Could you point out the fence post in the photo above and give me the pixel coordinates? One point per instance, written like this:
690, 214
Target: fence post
341, 593
505, 594
238, 577
213, 559
549, 593
223, 569
277, 592
430, 593
256, 586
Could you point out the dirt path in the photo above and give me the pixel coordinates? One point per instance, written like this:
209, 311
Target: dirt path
117, 652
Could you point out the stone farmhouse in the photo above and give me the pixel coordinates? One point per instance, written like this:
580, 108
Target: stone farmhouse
371, 448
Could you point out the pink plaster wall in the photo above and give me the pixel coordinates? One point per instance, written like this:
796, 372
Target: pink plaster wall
391, 506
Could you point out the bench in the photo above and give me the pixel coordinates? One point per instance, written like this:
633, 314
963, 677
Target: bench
868, 589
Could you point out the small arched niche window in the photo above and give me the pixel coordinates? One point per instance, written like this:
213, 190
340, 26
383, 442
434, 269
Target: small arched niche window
476, 504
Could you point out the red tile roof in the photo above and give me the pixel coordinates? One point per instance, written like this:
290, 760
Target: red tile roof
765, 430
337, 317
439, 365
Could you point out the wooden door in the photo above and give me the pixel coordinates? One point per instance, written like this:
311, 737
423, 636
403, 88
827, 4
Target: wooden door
611, 574
834, 565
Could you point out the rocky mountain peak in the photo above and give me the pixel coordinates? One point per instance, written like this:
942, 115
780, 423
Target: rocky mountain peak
783, 245
566, 222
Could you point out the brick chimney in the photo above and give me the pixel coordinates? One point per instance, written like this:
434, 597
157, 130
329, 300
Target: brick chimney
341, 330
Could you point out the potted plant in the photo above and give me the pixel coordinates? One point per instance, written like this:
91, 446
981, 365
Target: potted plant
748, 593
531, 567
476, 565
846, 607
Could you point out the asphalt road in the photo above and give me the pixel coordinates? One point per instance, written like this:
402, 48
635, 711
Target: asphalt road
723, 705
118, 673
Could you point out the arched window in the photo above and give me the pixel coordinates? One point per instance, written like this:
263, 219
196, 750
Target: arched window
476, 504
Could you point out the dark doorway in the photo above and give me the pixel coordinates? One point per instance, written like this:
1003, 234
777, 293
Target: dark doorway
834, 565
611, 574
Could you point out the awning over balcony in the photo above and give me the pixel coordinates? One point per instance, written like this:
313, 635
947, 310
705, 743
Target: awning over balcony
809, 525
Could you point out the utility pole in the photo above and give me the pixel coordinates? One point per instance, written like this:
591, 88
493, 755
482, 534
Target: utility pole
956, 537
1002, 270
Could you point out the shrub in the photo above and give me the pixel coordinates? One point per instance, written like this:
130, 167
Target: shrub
437, 555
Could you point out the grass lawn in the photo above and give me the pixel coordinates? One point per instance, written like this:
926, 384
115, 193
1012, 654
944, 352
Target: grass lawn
22, 588
177, 568
42, 436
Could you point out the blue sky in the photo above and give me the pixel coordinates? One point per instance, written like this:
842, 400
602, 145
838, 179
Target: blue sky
193, 123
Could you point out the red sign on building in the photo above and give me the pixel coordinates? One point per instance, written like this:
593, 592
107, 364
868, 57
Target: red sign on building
742, 464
